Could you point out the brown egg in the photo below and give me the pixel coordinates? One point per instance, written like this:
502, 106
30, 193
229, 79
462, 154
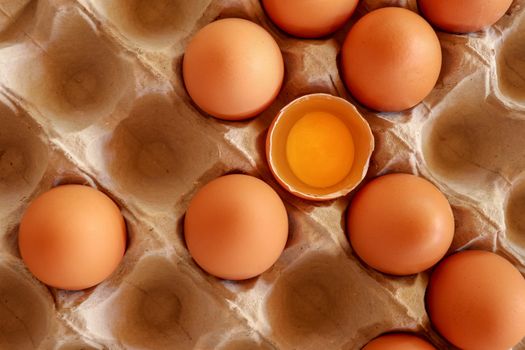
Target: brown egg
399, 341
236, 227
463, 16
476, 300
72, 237
312, 18
391, 59
305, 132
233, 69
400, 224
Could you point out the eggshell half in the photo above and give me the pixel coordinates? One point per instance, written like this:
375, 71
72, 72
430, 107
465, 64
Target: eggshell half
278, 137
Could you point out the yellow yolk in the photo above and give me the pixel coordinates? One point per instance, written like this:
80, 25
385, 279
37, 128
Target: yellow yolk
320, 149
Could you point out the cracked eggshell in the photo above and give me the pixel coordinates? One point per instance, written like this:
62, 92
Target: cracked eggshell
276, 143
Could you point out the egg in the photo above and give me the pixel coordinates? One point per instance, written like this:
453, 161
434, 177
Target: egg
399, 341
463, 16
476, 300
391, 59
318, 147
233, 69
309, 19
236, 227
72, 237
400, 224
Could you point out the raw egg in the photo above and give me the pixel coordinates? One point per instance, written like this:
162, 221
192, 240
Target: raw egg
400, 224
391, 59
309, 18
320, 149
399, 341
476, 300
463, 16
319, 146
72, 237
236, 227
233, 69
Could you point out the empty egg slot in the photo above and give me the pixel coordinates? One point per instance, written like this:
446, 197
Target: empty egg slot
159, 305
153, 24
72, 82
27, 313
23, 156
155, 154
467, 142
510, 63
320, 302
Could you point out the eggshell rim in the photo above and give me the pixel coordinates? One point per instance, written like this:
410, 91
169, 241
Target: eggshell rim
290, 188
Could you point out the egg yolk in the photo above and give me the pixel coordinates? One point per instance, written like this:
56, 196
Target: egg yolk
320, 149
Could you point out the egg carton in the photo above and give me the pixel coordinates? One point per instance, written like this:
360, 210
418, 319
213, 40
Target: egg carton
91, 92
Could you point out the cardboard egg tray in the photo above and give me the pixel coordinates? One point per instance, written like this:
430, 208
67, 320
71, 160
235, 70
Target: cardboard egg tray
91, 92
